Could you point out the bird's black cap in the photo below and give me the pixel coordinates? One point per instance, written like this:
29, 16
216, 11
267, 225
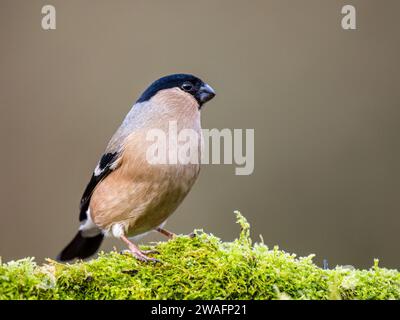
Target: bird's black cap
201, 91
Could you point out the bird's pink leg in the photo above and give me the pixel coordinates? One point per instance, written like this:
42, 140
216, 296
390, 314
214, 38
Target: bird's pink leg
172, 235
166, 233
137, 253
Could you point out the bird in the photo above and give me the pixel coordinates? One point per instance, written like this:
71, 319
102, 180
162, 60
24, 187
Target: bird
127, 196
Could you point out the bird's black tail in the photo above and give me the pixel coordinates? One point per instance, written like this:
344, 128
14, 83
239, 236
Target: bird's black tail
81, 247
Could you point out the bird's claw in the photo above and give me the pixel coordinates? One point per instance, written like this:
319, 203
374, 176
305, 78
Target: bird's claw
142, 255
151, 251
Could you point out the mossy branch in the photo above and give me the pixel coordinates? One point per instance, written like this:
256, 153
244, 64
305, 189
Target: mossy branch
203, 267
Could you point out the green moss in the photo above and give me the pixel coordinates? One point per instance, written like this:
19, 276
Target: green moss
203, 267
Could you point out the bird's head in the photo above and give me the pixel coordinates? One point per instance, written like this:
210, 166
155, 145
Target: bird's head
186, 84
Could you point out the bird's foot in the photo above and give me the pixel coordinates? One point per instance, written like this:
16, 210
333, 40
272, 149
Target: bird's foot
139, 254
145, 252
151, 251
142, 255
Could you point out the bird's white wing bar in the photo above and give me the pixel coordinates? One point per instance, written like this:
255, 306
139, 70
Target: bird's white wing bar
107, 164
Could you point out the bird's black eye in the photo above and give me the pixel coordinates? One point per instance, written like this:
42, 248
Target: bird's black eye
187, 86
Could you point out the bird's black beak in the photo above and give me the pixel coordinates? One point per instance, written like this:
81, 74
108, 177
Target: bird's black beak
205, 93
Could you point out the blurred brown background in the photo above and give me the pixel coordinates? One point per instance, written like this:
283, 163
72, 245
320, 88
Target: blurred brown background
324, 103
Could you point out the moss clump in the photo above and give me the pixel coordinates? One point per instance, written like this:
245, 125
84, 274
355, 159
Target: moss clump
197, 268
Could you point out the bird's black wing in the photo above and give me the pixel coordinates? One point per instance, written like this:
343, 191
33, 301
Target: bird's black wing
103, 169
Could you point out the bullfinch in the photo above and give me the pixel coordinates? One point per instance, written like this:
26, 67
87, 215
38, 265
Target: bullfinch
127, 195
